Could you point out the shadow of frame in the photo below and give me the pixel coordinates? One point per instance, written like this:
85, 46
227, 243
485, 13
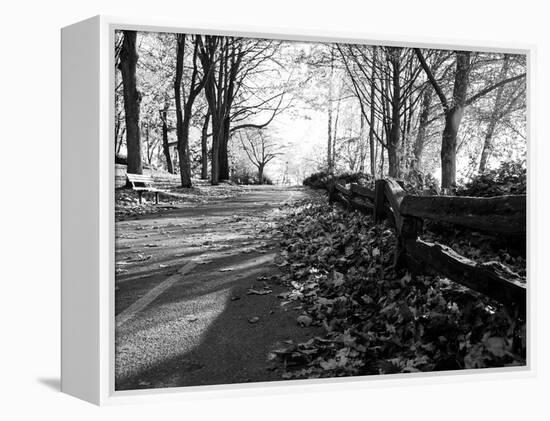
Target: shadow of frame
52, 383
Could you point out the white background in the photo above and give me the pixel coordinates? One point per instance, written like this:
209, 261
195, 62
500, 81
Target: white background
29, 165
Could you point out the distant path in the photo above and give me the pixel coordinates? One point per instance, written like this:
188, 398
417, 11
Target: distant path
183, 315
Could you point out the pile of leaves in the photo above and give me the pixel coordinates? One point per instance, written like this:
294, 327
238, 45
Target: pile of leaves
127, 204
509, 178
339, 270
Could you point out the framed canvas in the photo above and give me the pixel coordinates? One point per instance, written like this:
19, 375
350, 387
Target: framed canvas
247, 210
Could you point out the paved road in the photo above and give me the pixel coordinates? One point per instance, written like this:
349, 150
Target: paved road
183, 315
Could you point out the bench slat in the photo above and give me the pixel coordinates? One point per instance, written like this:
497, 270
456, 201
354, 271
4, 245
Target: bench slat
139, 177
151, 189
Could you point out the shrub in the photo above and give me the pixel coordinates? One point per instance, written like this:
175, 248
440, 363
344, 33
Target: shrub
417, 182
317, 180
357, 178
243, 176
267, 180
509, 178
320, 179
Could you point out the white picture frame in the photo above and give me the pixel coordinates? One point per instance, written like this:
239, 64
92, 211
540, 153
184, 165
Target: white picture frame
88, 213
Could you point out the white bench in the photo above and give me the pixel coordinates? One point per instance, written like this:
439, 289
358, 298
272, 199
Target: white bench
143, 183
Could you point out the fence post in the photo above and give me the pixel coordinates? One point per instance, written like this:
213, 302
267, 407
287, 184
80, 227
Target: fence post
330, 189
411, 228
352, 193
379, 198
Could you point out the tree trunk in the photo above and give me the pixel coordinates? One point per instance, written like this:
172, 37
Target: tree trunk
117, 131
335, 133
147, 142
329, 131
119, 145
448, 147
183, 152
330, 164
453, 117
214, 172
132, 99
223, 153
393, 161
165, 143
204, 147
394, 138
382, 159
493, 120
207, 53
362, 151
420, 140
182, 122
260, 174
406, 133
372, 140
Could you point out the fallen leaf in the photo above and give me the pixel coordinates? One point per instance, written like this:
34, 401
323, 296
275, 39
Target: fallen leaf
496, 346
263, 291
140, 258
338, 279
304, 320
328, 365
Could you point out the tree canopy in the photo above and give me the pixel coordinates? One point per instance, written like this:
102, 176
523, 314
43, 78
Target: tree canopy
192, 104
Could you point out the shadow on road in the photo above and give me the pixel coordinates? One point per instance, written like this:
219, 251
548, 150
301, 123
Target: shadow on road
205, 329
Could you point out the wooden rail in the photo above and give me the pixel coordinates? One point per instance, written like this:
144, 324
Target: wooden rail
504, 214
497, 215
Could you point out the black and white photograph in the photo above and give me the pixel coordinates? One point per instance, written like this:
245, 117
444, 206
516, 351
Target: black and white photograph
290, 210
293, 210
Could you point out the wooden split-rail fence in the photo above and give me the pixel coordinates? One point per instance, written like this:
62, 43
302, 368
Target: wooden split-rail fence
503, 215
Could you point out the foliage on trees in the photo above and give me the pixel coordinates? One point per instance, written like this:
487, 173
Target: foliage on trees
388, 111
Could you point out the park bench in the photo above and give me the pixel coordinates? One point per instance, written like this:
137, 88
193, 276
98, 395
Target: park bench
143, 183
